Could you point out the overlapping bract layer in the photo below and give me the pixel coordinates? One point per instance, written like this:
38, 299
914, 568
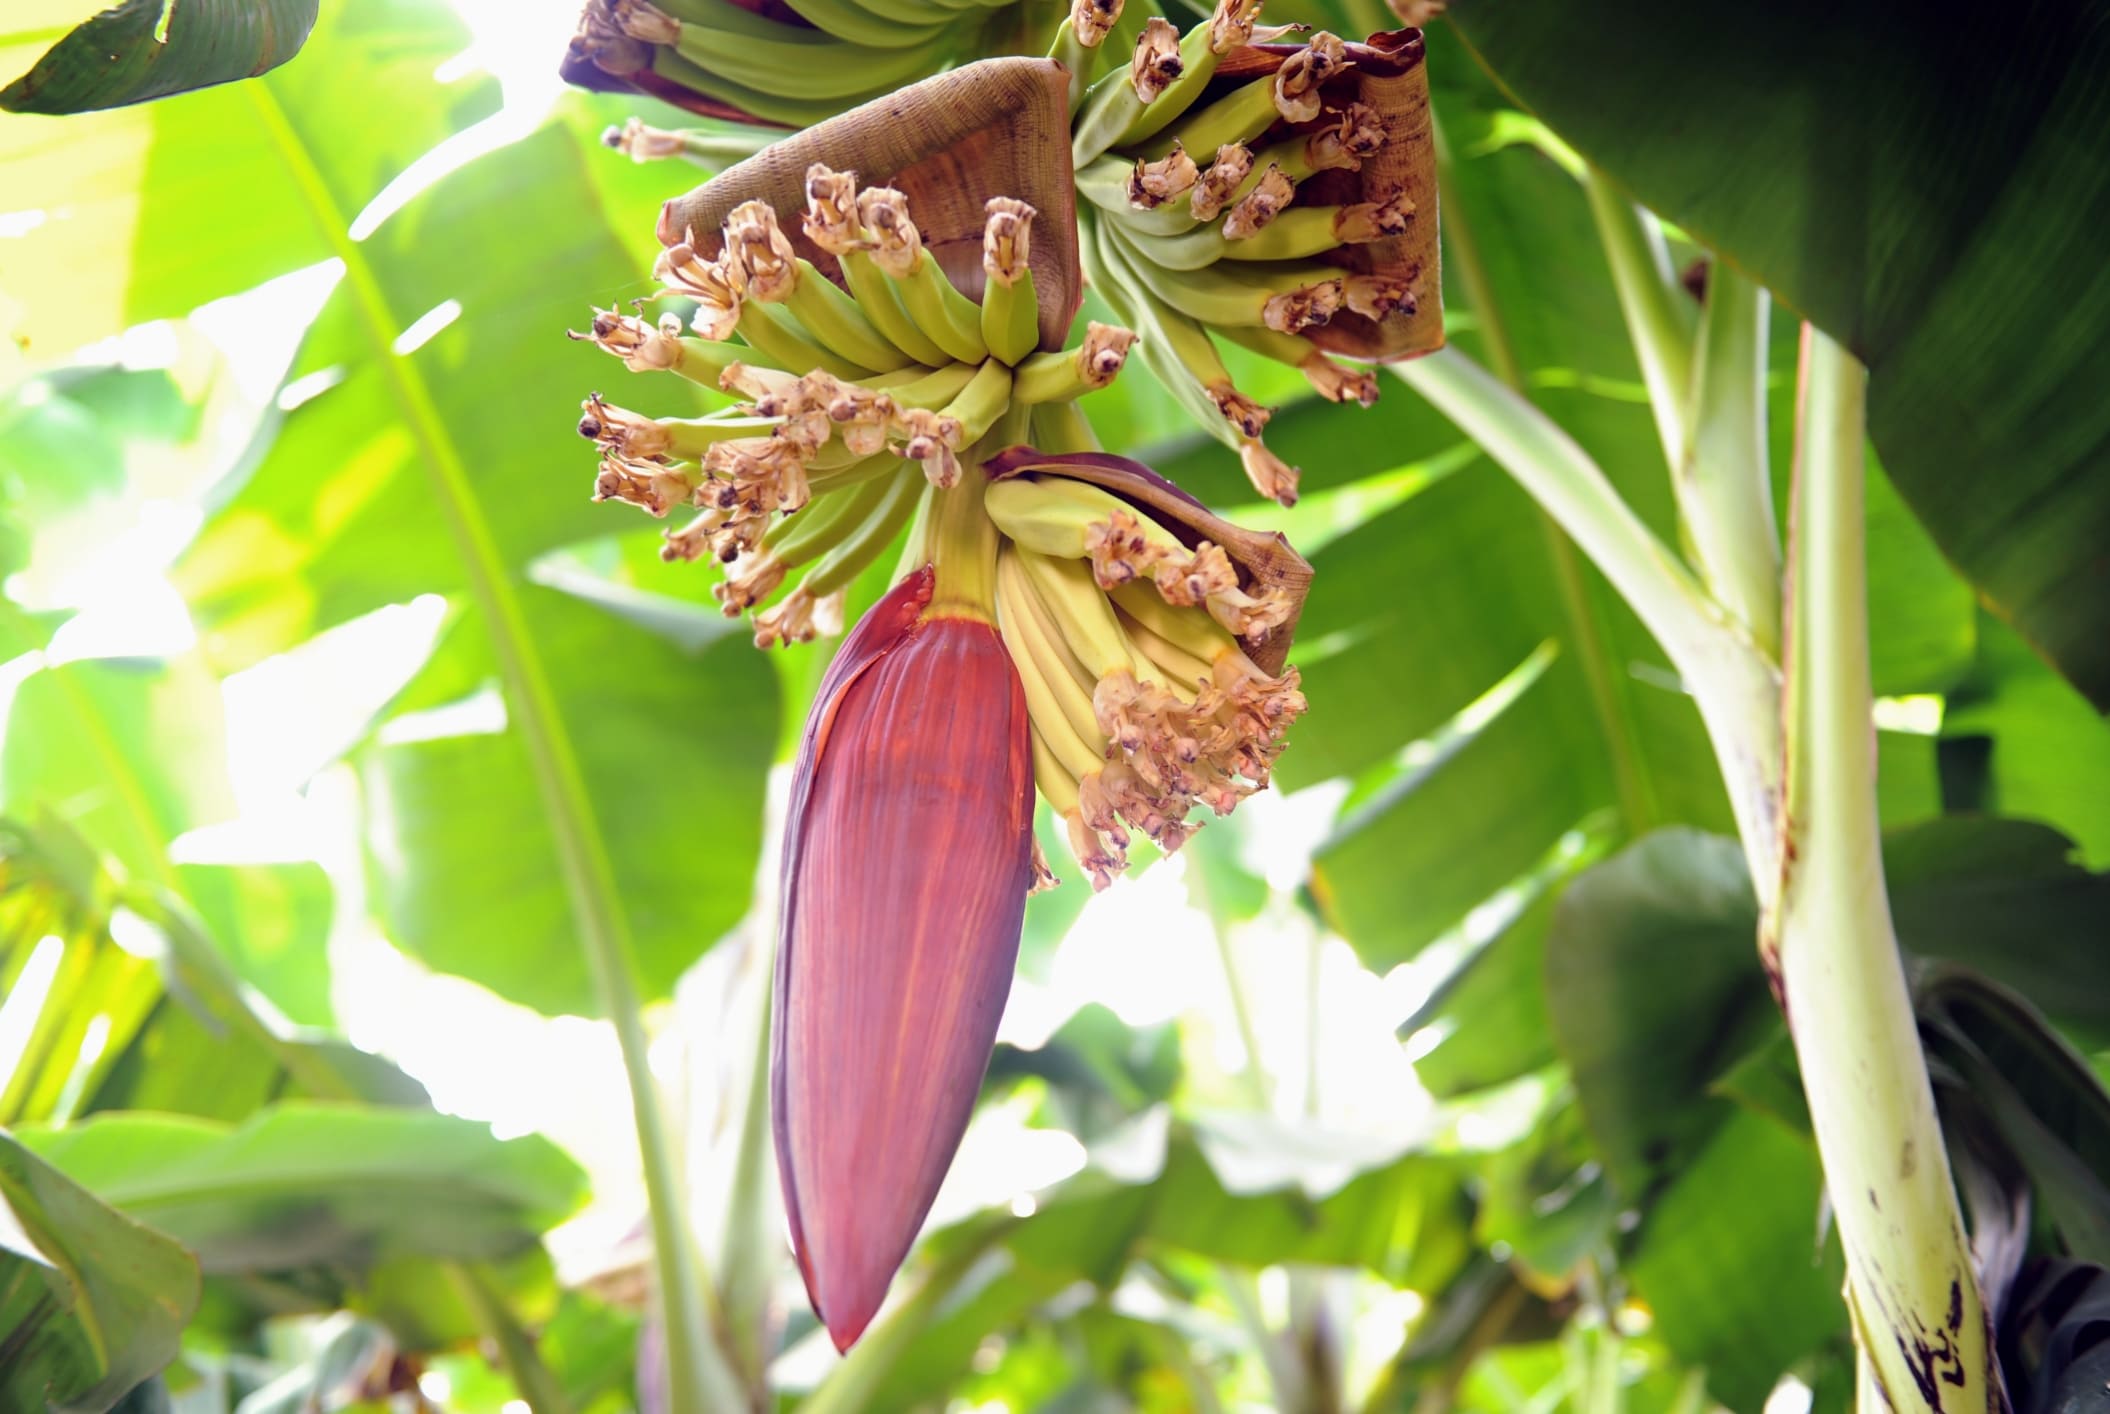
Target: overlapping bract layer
906, 870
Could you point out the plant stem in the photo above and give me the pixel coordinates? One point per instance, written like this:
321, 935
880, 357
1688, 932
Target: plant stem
748, 1245
1659, 319
1724, 490
1637, 798
1735, 686
699, 1378
1708, 393
1918, 1316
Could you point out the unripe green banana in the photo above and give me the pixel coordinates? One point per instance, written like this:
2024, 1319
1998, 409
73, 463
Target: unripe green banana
773, 330
877, 298
862, 546
1082, 612
838, 322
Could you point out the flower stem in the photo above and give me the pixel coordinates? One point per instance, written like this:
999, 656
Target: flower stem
1918, 1316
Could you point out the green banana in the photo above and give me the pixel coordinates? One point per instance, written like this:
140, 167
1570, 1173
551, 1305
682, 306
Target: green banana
1193, 633
1081, 611
1175, 348
1286, 297
947, 318
1058, 698
1123, 96
838, 323
805, 536
876, 297
1061, 427
774, 331
862, 546
1239, 116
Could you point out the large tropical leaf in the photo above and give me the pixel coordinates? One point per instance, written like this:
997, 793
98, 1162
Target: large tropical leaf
93, 1304
449, 466
1939, 212
144, 49
304, 1183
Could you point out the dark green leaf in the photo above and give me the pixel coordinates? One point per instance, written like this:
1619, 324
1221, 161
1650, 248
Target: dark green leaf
144, 49
1653, 985
1732, 1260
1951, 245
103, 1309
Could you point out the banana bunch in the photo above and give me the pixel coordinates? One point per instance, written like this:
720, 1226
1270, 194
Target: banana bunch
1190, 222
1131, 644
723, 58
860, 398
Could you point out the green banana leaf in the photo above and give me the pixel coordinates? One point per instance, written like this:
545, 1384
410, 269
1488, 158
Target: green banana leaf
147, 49
92, 1303
302, 1183
1932, 194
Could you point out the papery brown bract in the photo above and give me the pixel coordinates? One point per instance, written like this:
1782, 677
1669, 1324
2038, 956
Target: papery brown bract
906, 869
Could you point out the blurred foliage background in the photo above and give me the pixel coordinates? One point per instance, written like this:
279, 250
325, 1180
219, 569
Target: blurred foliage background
1442, 1078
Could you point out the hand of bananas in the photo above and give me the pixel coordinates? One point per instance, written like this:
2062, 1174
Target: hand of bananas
1278, 197
792, 63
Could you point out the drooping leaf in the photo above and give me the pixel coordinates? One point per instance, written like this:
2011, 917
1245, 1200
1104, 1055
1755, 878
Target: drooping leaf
95, 1306
303, 1183
1950, 245
144, 49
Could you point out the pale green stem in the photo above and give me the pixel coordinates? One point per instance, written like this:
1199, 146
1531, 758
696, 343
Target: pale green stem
1724, 489
1659, 317
749, 1244
700, 1380
1736, 688
1917, 1312
1707, 389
